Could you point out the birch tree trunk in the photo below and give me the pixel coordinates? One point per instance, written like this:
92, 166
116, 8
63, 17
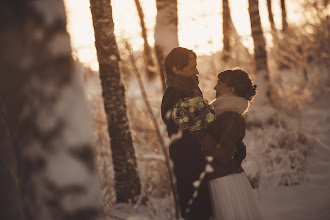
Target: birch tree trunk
149, 64
45, 127
166, 31
284, 21
258, 38
127, 182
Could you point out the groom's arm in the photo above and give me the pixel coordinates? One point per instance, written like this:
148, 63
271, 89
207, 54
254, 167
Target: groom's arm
170, 98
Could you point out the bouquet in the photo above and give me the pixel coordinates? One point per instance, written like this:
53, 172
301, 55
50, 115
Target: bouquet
193, 113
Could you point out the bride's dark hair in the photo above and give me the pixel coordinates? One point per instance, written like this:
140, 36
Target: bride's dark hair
240, 80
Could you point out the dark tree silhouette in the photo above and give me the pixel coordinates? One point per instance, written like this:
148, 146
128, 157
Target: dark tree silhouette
227, 30
270, 16
284, 21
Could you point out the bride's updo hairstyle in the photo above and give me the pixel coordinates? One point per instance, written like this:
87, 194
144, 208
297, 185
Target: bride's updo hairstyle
240, 80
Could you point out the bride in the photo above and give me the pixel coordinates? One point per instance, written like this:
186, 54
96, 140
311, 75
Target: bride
232, 197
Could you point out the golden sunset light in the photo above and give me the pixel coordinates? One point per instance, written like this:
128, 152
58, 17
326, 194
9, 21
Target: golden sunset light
165, 109
199, 27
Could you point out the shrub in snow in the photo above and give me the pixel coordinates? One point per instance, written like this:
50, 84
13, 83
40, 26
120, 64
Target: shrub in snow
285, 154
155, 179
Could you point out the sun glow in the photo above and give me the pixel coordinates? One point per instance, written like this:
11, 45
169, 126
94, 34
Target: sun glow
199, 28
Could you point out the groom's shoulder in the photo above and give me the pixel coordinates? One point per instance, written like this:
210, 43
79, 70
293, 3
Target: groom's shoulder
172, 93
172, 89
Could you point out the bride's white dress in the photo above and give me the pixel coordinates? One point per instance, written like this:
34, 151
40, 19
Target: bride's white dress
232, 198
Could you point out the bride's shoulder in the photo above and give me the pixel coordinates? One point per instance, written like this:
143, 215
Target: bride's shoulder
228, 118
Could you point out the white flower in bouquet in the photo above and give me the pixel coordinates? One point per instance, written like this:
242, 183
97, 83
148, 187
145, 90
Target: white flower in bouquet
210, 117
193, 113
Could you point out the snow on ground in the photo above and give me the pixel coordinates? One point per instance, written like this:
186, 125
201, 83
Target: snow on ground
307, 201
310, 200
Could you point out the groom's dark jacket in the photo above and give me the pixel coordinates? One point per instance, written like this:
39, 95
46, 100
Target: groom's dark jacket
188, 160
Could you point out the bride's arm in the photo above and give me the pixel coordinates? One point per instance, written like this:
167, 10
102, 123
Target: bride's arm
229, 128
209, 145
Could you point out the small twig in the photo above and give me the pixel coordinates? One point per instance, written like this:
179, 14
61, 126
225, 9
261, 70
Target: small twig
160, 138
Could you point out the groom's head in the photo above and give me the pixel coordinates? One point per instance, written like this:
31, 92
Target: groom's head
181, 61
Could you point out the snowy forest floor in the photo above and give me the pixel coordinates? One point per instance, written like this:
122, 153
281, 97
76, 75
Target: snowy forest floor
309, 200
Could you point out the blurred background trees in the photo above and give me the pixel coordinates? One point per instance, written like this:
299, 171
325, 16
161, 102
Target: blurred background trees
46, 162
147, 50
166, 31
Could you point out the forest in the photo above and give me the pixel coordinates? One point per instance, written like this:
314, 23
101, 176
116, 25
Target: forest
81, 133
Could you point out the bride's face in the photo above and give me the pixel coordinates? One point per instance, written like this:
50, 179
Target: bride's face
221, 89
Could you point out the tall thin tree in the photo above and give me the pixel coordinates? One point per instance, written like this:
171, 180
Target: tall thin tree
271, 16
147, 52
262, 75
47, 161
127, 181
226, 30
278, 48
166, 31
233, 49
284, 19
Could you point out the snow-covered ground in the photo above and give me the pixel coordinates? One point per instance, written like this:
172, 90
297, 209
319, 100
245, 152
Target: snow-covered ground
310, 200
307, 201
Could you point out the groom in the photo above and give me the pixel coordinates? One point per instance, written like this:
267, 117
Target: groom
185, 150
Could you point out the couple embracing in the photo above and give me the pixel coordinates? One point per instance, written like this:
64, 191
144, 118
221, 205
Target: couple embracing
225, 191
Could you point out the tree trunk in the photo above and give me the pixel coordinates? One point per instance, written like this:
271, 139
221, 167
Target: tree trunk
149, 64
258, 37
278, 43
284, 21
262, 101
45, 138
166, 31
233, 49
270, 16
226, 28
127, 182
